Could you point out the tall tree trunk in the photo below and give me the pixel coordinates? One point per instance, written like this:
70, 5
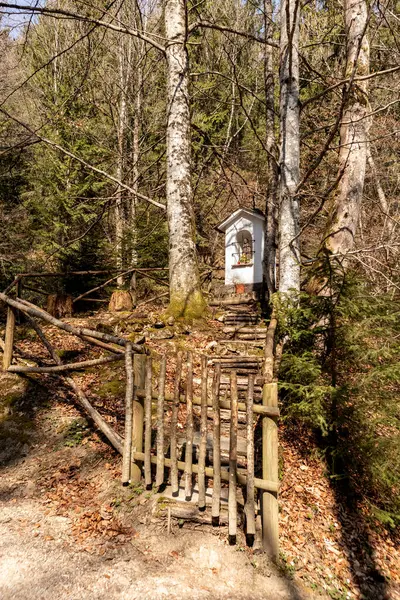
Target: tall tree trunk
271, 207
120, 217
346, 204
289, 162
185, 291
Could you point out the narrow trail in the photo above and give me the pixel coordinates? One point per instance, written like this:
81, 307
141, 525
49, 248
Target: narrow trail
68, 530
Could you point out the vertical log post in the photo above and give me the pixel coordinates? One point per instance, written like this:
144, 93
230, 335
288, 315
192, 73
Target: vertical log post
250, 507
147, 425
216, 496
18, 293
160, 423
270, 472
203, 435
127, 451
139, 367
232, 502
9, 338
189, 428
174, 424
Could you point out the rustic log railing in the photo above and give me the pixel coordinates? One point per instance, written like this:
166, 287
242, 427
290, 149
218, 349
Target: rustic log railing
181, 405
144, 272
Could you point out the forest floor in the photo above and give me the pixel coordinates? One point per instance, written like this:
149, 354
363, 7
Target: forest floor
69, 530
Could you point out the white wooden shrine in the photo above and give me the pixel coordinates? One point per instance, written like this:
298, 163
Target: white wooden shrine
244, 246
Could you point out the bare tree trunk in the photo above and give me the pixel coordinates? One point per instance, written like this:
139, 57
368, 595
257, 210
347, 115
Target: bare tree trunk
120, 219
135, 160
271, 207
345, 206
389, 224
289, 248
185, 292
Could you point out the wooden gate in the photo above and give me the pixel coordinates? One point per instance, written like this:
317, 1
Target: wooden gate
180, 399
164, 397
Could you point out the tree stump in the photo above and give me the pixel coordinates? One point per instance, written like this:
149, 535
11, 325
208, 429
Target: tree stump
59, 305
120, 300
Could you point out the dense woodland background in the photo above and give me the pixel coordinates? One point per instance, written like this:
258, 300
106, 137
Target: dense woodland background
84, 181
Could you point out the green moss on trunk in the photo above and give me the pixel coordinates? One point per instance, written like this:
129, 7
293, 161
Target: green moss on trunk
192, 306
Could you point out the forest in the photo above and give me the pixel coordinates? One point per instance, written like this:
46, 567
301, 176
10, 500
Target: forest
130, 129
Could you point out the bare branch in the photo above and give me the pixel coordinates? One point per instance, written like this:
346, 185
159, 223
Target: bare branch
54, 12
83, 162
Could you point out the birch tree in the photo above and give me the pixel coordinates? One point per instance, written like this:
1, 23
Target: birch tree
345, 206
289, 249
185, 291
271, 208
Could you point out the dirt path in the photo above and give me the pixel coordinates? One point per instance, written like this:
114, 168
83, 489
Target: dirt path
37, 565
68, 530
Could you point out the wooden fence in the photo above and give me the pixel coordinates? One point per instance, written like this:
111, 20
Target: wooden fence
188, 399
154, 274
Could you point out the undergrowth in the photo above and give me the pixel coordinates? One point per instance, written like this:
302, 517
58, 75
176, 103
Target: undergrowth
340, 375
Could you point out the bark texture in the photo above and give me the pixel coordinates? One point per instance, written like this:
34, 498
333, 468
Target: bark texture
271, 208
185, 292
345, 207
289, 249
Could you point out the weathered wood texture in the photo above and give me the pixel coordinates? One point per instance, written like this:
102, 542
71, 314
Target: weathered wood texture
189, 427
160, 422
139, 367
147, 424
232, 504
203, 434
127, 451
68, 366
250, 506
216, 497
174, 424
9, 338
113, 437
225, 404
270, 472
39, 313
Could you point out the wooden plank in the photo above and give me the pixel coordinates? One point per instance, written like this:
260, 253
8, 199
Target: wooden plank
160, 423
250, 507
174, 425
216, 497
270, 512
9, 338
127, 449
147, 425
203, 434
189, 427
232, 504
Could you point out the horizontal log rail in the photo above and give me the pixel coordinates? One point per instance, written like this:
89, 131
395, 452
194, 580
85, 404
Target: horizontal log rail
261, 484
80, 332
259, 409
66, 367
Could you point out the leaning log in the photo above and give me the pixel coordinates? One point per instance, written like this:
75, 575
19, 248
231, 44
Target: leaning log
114, 438
34, 311
68, 366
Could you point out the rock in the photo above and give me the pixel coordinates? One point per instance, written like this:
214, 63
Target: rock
161, 334
170, 321
159, 325
13, 389
120, 300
